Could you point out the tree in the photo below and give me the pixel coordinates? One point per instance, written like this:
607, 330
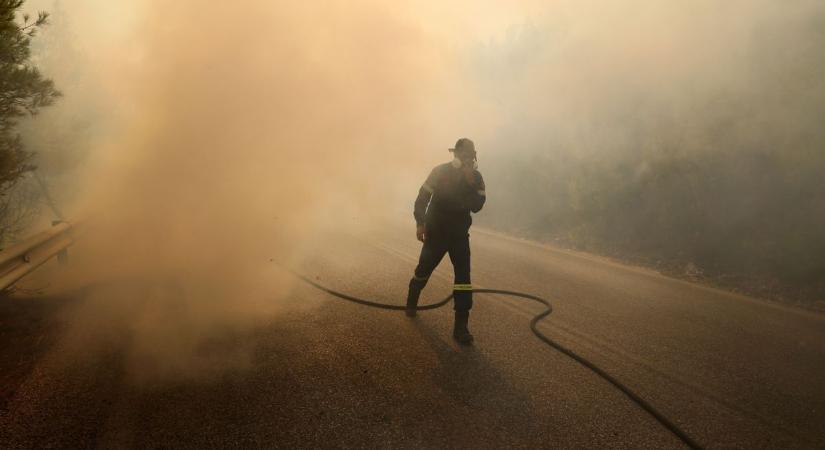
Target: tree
23, 89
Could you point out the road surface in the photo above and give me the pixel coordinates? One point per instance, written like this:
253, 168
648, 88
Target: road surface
733, 372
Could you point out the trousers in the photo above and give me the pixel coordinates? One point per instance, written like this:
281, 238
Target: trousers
436, 244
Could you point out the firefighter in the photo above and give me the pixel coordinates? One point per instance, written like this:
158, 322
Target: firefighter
442, 216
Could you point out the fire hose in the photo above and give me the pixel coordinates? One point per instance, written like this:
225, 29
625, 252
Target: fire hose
633, 396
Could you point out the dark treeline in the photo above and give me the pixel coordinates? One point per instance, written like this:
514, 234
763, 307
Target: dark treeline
23, 92
727, 181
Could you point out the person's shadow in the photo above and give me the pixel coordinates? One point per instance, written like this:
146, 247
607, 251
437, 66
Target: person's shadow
491, 410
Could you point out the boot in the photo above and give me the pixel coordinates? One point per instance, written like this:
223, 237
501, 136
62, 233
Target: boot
460, 331
412, 297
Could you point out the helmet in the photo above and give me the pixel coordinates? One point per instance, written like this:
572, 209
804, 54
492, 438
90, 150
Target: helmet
464, 144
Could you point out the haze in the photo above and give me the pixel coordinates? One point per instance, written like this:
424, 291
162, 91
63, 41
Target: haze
225, 134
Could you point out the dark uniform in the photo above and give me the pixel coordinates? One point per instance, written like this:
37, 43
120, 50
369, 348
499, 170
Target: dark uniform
443, 206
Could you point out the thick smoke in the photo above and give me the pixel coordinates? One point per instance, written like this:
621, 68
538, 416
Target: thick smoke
236, 132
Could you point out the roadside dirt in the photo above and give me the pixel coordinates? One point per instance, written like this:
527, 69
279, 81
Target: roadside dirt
30, 324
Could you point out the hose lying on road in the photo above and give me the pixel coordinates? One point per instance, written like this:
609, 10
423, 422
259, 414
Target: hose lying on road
667, 423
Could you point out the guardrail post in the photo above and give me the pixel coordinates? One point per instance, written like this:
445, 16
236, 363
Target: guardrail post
63, 255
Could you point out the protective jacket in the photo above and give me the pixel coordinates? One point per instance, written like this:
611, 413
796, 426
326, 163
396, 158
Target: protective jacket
446, 199
443, 206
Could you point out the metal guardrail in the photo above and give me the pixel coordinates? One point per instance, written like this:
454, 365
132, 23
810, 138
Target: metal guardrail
30, 253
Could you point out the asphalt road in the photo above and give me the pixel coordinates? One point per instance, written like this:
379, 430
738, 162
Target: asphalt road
733, 372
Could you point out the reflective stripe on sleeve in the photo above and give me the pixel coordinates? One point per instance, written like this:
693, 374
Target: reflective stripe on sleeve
463, 287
